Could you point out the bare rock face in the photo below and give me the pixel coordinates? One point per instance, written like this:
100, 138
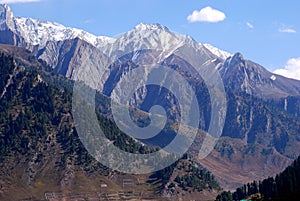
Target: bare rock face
244, 76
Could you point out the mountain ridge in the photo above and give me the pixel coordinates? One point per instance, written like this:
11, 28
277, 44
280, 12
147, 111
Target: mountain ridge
48, 39
40, 32
254, 79
252, 91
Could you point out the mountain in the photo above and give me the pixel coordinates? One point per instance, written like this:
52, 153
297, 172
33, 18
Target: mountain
38, 33
48, 39
254, 79
261, 131
42, 157
39, 151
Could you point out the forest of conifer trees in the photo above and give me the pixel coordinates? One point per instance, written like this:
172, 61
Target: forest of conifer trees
284, 186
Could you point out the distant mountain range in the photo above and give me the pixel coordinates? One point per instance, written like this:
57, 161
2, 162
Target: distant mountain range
262, 127
62, 46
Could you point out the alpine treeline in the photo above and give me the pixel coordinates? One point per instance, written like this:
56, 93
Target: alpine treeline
284, 186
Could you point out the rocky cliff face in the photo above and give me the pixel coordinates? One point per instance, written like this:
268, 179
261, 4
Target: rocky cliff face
244, 76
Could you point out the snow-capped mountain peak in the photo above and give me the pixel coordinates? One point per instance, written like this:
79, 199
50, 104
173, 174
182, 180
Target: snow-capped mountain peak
38, 32
155, 26
144, 36
151, 37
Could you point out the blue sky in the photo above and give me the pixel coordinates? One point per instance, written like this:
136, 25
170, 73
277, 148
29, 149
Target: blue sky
266, 32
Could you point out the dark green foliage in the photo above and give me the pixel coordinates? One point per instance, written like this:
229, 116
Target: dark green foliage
165, 174
190, 176
225, 149
196, 178
34, 113
245, 191
7, 68
120, 139
224, 196
28, 109
285, 186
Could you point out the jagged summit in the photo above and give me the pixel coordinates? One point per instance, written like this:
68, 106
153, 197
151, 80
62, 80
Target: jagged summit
148, 36
243, 75
238, 56
5, 16
39, 32
35, 32
50, 39
4, 8
155, 26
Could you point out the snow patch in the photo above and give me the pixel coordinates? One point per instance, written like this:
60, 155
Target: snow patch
38, 32
220, 53
273, 77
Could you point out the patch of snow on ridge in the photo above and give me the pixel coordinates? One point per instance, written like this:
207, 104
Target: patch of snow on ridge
273, 77
220, 53
38, 32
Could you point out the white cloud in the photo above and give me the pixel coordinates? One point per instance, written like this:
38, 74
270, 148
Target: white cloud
291, 70
206, 14
18, 1
249, 25
287, 30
